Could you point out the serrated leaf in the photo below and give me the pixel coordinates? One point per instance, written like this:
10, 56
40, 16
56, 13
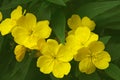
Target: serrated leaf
58, 23
58, 2
113, 47
95, 8
113, 71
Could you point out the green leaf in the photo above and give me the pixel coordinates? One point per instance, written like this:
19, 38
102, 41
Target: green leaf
113, 47
20, 70
58, 2
93, 76
95, 8
105, 39
113, 71
13, 4
58, 24
43, 12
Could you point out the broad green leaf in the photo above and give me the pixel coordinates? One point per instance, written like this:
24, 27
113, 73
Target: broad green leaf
58, 24
95, 8
58, 2
93, 76
13, 4
113, 47
44, 12
105, 39
113, 71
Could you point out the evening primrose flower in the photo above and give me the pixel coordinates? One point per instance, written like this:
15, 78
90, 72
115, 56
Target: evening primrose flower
81, 38
75, 21
55, 58
93, 57
28, 31
7, 24
19, 52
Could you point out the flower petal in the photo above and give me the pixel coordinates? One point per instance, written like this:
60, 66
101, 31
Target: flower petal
20, 35
102, 60
16, 13
6, 26
64, 54
93, 37
50, 48
82, 34
60, 69
82, 54
74, 22
42, 30
19, 52
28, 21
87, 66
45, 63
96, 47
73, 44
89, 23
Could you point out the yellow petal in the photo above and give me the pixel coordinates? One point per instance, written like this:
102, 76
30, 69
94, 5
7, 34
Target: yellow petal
93, 37
28, 21
16, 13
87, 66
42, 30
82, 54
89, 23
74, 22
19, 52
1, 16
41, 43
60, 69
45, 63
72, 43
6, 26
20, 35
64, 54
82, 34
31, 42
50, 48
96, 47
102, 60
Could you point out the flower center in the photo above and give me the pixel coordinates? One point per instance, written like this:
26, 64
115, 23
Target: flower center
30, 32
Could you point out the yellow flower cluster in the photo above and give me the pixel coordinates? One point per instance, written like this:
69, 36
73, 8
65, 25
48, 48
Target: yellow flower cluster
81, 43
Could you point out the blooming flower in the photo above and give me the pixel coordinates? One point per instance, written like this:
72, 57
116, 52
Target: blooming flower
7, 24
19, 52
81, 38
93, 57
75, 21
55, 58
1, 16
28, 31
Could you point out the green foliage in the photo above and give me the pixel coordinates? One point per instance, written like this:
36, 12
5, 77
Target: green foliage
113, 71
105, 13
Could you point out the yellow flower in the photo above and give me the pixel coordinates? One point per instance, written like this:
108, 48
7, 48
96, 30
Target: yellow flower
75, 21
19, 52
7, 24
93, 57
28, 31
81, 38
55, 58
1, 16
